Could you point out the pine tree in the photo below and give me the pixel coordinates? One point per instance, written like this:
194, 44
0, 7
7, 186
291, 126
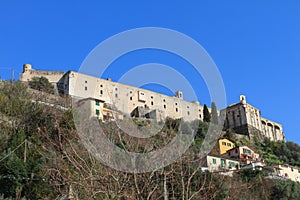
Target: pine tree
41, 84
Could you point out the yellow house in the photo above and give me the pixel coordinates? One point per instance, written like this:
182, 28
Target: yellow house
225, 145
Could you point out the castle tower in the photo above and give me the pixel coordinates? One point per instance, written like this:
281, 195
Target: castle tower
179, 94
243, 99
26, 67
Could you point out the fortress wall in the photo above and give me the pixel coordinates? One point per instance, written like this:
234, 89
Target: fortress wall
272, 130
29, 73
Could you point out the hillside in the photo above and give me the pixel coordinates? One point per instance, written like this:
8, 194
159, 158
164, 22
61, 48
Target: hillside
42, 157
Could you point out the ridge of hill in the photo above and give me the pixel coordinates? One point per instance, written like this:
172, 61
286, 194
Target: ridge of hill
42, 157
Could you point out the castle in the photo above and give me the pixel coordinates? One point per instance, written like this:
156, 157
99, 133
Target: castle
109, 100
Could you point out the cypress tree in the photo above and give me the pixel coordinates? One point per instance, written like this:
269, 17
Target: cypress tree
214, 113
206, 114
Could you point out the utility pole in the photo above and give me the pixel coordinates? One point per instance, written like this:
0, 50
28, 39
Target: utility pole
12, 74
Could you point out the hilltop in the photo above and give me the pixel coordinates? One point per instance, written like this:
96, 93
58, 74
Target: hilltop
42, 157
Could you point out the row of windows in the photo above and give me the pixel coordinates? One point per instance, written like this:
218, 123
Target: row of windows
246, 151
226, 144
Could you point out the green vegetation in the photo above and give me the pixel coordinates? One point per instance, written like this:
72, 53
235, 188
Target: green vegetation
206, 114
279, 152
41, 84
41, 157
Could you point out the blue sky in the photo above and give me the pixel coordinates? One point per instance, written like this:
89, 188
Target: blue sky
256, 45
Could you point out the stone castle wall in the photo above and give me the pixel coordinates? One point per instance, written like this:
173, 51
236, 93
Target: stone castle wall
246, 119
29, 73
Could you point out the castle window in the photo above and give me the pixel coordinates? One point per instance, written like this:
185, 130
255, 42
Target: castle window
187, 107
85, 81
152, 103
130, 92
116, 95
176, 109
200, 116
85, 88
176, 104
188, 112
130, 98
164, 100
151, 97
97, 103
165, 106
101, 91
101, 85
97, 112
116, 89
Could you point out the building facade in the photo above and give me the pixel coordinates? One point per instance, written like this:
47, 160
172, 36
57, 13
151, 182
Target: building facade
131, 101
286, 172
215, 163
244, 154
225, 145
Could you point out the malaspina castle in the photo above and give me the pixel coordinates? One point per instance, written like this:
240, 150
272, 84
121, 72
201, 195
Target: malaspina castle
109, 99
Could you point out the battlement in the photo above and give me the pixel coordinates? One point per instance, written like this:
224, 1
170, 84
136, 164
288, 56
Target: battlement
29, 73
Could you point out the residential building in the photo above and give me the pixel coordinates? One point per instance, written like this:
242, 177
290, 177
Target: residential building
225, 144
286, 172
243, 153
216, 163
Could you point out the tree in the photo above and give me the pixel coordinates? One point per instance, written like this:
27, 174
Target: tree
41, 84
214, 113
206, 114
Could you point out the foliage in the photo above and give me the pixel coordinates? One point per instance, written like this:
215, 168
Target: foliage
206, 114
41, 84
279, 152
54, 162
285, 190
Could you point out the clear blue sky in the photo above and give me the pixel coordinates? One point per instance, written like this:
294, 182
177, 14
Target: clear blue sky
255, 44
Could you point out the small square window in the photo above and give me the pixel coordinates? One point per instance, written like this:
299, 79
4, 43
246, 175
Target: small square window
224, 143
228, 144
97, 112
97, 103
